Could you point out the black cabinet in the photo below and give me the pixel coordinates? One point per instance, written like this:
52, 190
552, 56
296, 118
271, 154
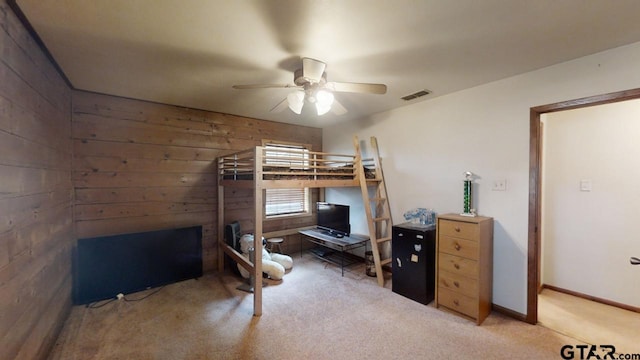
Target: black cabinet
414, 261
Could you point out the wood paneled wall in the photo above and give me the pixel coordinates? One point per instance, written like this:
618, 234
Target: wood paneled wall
142, 166
36, 228
75, 164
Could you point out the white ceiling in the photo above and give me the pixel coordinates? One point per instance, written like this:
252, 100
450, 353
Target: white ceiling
190, 52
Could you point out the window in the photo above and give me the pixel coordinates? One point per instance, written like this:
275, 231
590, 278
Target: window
286, 202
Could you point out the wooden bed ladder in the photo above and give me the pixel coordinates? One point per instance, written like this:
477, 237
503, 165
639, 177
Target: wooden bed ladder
376, 207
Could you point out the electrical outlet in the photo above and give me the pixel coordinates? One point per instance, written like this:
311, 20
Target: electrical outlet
499, 185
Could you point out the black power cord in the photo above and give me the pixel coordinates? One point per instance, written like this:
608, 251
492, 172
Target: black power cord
145, 296
99, 304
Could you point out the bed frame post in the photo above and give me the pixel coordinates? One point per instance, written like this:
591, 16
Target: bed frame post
257, 231
221, 241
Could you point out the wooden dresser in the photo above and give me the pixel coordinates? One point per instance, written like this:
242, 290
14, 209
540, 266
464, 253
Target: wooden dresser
464, 273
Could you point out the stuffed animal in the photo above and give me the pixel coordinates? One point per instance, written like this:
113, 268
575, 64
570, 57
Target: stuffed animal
274, 265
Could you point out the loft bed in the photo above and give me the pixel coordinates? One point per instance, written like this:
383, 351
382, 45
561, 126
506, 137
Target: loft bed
261, 168
291, 168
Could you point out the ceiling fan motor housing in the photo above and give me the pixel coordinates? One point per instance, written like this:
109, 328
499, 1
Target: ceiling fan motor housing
300, 80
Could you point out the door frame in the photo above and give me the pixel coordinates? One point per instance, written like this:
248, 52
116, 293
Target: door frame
535, 163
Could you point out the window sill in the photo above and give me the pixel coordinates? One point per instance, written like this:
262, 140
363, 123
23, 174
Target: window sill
281, 217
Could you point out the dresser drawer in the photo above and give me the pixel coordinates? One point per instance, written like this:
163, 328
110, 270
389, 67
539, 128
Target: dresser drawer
458, 283
458, 302
458, 229
458, 265
459, 247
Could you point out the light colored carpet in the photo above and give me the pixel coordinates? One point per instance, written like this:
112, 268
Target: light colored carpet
589, 321
314, 313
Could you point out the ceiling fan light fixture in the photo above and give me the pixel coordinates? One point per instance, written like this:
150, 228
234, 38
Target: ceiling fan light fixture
324, 97
296, 101
324, 100
322, 109
313, 87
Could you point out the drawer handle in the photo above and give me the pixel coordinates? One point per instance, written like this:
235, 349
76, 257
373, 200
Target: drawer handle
457, 246
456, 302
456, 266
457, 284
457, 229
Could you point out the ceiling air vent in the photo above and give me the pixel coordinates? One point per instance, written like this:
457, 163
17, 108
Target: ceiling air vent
416, 95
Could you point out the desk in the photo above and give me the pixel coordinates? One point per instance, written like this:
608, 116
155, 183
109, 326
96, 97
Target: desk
321, 237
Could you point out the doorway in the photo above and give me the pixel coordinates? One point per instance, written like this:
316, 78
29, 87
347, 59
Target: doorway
535, 193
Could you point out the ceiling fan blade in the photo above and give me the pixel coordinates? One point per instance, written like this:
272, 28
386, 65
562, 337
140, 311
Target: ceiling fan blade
312, 69
357, 87
263, 86
281, 106
337, 108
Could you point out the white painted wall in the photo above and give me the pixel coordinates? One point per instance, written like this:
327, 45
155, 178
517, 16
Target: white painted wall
427, 146
588, 236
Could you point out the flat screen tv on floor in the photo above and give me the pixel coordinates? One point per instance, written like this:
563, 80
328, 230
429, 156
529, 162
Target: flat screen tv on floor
334, 218
104, 267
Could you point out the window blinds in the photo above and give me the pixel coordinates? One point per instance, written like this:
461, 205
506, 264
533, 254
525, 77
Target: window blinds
286, 201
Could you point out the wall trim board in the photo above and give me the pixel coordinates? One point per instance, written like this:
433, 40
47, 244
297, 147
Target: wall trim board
508, 312
535, 186
592, 298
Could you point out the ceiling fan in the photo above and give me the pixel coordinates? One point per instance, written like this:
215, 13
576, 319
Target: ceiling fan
312, 87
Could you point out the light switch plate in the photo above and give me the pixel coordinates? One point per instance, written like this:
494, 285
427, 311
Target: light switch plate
499, 185
585, 185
